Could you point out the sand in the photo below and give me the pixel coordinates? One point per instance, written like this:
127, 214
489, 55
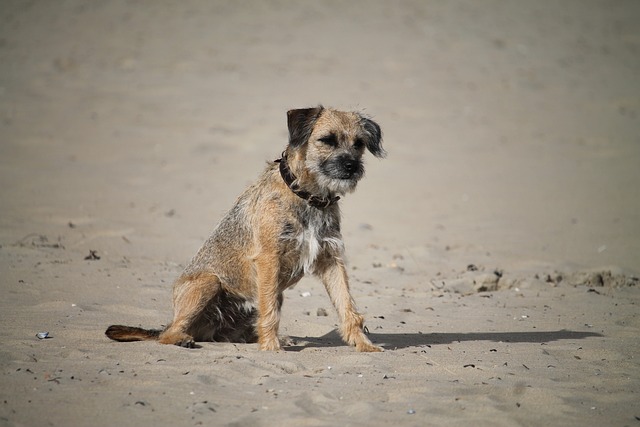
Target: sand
495, 252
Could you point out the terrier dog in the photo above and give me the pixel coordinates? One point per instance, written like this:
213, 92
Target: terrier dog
284, 226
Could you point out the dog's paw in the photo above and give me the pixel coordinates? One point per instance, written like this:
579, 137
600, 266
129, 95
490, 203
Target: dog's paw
186, 343
177, 338
368, 348
272, 345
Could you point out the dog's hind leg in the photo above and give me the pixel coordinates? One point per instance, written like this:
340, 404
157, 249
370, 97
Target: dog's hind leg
191, 294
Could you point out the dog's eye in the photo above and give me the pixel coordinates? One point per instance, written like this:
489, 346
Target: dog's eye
330, 140
358, 144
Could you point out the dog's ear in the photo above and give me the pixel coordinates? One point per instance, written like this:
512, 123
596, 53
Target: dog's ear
301, 124
374, 136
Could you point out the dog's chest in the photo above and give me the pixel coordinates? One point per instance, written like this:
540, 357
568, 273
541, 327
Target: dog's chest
312, 241
309, 244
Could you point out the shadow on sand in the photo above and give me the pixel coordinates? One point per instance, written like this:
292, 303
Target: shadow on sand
398, 341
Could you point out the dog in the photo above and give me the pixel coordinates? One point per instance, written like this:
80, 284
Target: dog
282, 227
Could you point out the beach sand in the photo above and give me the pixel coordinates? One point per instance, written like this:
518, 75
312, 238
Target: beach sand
495, 253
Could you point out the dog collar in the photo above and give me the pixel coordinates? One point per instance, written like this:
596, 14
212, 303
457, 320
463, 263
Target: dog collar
288, 177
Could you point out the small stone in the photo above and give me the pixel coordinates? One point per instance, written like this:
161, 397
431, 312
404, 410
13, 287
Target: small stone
93, 256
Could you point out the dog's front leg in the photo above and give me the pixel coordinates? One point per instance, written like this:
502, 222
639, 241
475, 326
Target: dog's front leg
269, 302
335, 280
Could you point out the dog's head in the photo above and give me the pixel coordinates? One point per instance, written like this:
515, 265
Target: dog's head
326, 147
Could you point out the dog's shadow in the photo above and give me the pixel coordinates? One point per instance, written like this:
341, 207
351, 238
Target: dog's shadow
400, 341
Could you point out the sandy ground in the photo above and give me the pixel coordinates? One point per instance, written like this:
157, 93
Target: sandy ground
495, 251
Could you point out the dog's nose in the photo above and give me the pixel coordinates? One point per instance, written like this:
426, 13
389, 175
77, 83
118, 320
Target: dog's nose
350, 165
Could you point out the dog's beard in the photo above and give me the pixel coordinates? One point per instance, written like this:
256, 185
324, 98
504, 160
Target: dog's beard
336, 185
333, 177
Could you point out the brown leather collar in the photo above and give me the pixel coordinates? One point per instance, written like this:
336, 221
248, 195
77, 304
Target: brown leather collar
288, 177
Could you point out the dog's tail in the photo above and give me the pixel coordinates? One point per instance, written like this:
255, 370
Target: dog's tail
131, 333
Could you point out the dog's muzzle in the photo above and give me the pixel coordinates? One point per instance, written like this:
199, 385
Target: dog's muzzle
344, 166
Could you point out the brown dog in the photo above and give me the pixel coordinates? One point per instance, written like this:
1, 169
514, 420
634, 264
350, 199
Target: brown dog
285, 225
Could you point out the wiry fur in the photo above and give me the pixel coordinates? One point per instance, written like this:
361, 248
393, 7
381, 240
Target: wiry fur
232, 289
